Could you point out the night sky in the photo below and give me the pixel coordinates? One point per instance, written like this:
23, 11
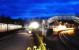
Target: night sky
38, 8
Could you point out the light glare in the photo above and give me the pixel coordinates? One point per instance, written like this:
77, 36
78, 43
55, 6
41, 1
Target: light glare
34, 25
63, 29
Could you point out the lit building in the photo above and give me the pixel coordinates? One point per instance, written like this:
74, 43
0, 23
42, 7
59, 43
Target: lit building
58, 29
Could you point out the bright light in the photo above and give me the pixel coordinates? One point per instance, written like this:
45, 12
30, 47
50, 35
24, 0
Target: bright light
59, 28
30, 31
12, 26
68, 31
34, 46
7, 27
63, 29
34, 25
29, 48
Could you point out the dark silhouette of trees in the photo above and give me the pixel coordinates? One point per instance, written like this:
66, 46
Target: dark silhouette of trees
9, 20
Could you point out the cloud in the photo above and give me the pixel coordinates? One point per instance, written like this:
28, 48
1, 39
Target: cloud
38, 7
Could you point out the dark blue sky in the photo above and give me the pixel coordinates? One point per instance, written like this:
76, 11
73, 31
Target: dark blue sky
38, 8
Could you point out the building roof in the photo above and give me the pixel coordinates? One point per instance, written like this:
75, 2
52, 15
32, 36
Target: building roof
74, 18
